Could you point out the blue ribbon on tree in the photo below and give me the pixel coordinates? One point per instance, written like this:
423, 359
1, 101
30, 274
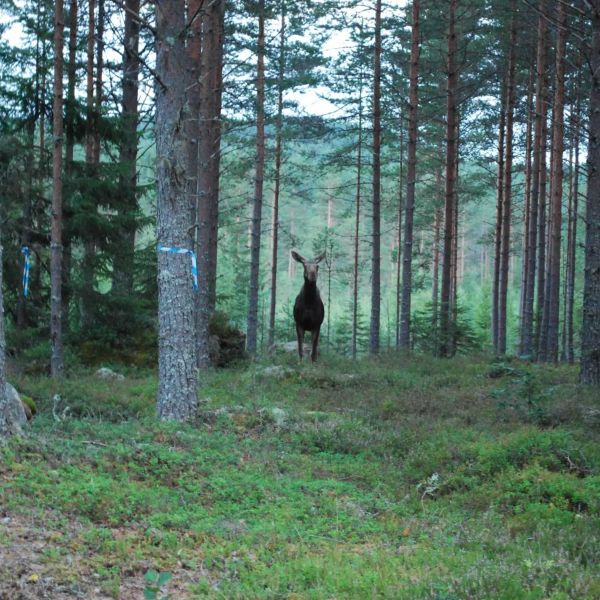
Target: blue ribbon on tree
26, 267
184, 251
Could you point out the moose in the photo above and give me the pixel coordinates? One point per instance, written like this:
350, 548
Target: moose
309, 311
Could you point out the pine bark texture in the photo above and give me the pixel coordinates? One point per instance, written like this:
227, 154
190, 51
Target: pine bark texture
526, 208
399, 227
177, 369
527, 321
255, 236
276, 192
507, 192
411, 180
590, 336
570, 295
499, 220
552, 299
357, 219
5, 425
56, 343
376, 222
446, 324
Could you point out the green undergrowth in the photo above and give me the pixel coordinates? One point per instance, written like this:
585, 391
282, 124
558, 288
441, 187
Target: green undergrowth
390, 478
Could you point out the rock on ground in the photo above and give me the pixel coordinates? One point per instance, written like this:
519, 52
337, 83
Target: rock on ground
109, 374
15, 417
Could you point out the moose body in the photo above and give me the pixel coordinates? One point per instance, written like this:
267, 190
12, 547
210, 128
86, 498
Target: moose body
309, 311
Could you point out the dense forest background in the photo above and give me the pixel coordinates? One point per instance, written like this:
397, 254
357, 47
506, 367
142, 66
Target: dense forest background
357, 114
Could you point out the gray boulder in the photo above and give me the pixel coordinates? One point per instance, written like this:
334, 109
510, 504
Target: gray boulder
15, 418
109, 374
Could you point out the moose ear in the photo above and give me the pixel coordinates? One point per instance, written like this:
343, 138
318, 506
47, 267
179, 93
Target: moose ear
297, 257
319, 258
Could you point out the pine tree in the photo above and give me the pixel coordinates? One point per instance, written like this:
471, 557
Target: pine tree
411, 177
177, 370
376, 227
590, 338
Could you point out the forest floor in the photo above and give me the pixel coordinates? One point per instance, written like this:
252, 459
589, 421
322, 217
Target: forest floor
391, 478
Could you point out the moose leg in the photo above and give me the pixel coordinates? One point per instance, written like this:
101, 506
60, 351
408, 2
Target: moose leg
315, 342
300, 334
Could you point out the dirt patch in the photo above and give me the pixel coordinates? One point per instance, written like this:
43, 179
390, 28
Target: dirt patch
38, 561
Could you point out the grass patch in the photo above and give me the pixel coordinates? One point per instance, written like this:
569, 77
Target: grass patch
388, 478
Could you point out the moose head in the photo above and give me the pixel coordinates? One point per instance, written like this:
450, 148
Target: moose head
311, 267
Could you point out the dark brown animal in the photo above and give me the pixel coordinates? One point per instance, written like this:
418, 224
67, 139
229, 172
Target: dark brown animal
309, 311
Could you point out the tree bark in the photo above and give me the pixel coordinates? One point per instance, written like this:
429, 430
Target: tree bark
528, 346
507, 195
570, 296
5, 425
357, 218
555, 223
499, 220
590, 336
258, 185
446, 325
541, 220
177, 369
213, 56
56, 359
275, 220
525, 248
411, 177
122, 281
376, 227
399, 226
69, 149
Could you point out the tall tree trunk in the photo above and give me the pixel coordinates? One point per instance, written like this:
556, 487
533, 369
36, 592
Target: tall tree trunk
525, 248
275, 220
27, 220
69, 149
213, 56
590, 332
507, 195
446, 325
357, 218
411, 180
570, 296
527, 326
541, 220
376, 230
198, 151
5, 423
455, 225
122, 281
555, 223
436, 262
399, 226
177, 370
499, 220
56, 359
567, 260
258, 184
